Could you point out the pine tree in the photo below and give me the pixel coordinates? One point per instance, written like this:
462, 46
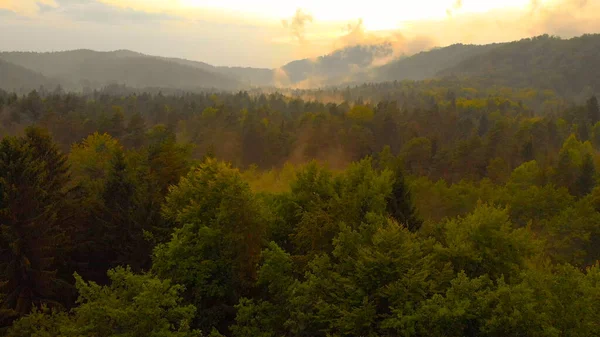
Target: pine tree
593, 111
33, 174
122, 241
117, 122
399, 203
583, 130
527, 151
119, 205
585, 182
136, 130
484, 125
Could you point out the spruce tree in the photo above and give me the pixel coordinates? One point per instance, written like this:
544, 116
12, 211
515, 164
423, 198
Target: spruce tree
399, 203
585, 182
33, 174
593, 111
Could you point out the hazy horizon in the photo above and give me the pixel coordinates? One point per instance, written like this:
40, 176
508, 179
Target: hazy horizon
265, 35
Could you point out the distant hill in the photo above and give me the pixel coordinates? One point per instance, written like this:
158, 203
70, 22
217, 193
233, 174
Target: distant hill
80, 68
567, 66
427, 64
571, 67
376, 63
339, 66
246, 75
19, 79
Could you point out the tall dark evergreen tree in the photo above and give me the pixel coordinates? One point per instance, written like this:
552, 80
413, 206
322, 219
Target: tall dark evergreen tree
136, 130
527, 151
117, 122
593, 111
33, 174
122, 217
399, 203
585, 182
484, 125
583, 130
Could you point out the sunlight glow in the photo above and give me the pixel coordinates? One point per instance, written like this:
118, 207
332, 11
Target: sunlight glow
376, 15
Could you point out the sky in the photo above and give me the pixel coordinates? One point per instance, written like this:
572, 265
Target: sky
263, 33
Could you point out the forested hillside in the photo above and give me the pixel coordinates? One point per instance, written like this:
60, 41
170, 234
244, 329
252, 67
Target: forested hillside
428, 64
569, 67
428, 208
337, 67
255, 77
19, 79
81, 69
566, 66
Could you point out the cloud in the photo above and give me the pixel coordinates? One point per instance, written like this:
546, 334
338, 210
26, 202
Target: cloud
457, 5
397, 42
83, 10
25, 7
101, 13
563, 17
355, 33
97, 12
297, 25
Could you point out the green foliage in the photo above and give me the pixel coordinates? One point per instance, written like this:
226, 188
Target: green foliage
121, 224
90, 161
485, 243
322, 201
132, 305
258, 317
586, 180
528, 307
360, 113
416, 155
33, 177
371, 285
215, 250
399, 203
477, 215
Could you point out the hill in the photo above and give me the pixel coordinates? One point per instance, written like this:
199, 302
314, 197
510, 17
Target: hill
336, 68
80, 68
427, 64
19, 79
568, 66
247, 75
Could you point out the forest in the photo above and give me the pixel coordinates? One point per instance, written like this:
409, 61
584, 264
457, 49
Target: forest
397, 209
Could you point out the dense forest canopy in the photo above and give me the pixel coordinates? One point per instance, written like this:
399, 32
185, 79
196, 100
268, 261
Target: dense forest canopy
435, 208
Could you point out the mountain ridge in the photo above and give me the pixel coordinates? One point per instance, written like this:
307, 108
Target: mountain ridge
569, 66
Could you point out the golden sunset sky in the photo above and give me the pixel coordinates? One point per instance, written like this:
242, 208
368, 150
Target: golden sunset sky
264, 33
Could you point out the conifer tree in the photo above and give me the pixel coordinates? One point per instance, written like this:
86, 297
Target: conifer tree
585, 182
593, 110
33, 174
123, 231
399, 203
